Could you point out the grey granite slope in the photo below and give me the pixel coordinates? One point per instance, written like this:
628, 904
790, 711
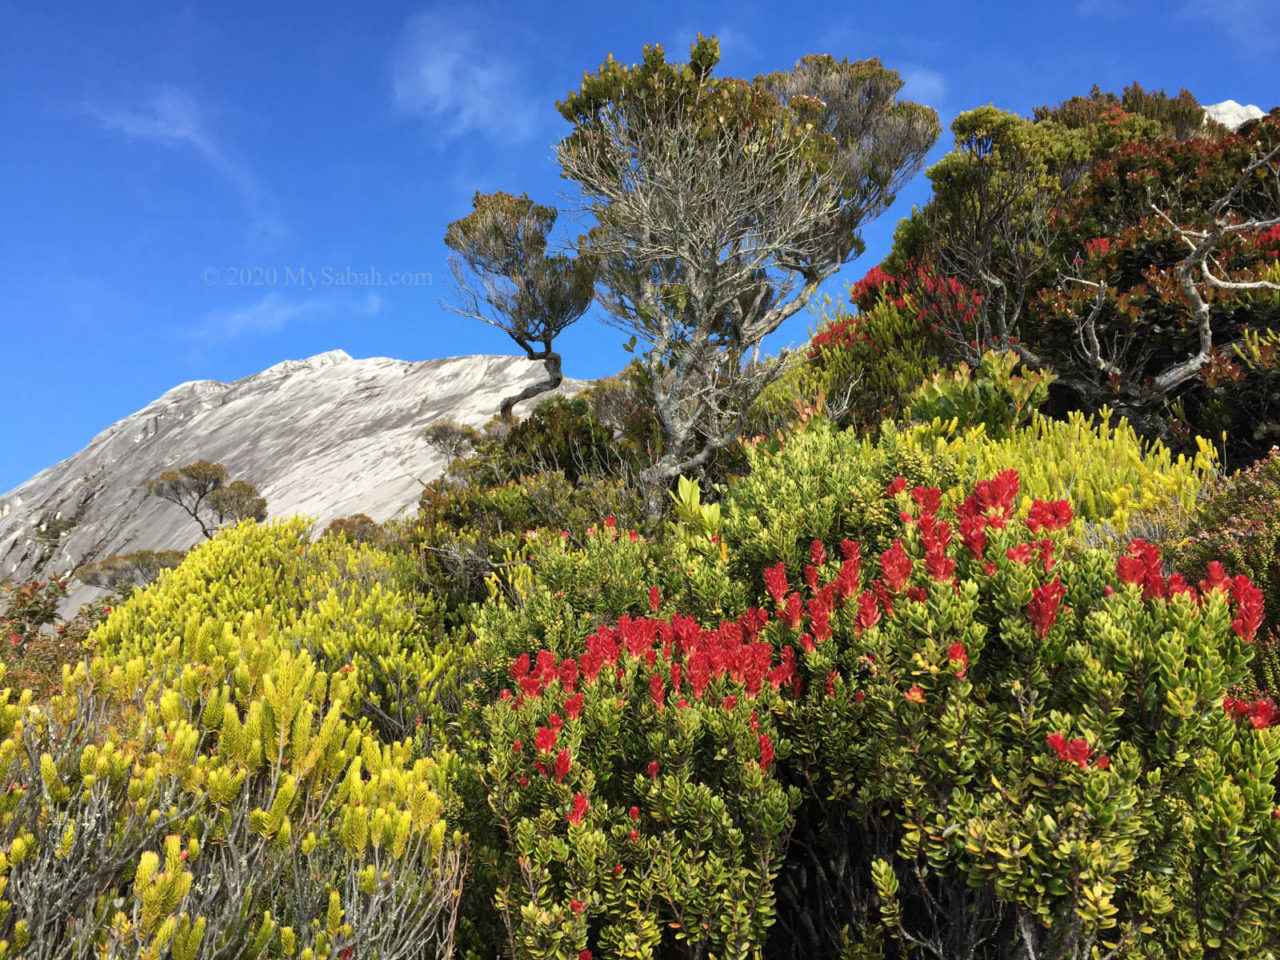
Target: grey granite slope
328, 437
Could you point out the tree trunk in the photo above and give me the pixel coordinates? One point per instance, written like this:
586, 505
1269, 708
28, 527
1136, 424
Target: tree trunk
551, 362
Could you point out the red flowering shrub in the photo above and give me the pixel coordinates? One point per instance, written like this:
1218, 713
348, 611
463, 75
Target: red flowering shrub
866, 359
657, 821
1239, 525
933, 738
1029, 720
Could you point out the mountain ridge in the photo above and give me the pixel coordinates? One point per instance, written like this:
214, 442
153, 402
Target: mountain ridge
326, 436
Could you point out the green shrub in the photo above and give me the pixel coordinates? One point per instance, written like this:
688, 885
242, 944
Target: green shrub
462, 534
862, 366
1016, 747
932, 710
264, 590
992, 395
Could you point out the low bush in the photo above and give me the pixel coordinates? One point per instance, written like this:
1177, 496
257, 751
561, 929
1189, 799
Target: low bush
823, 484
982, 739
209, 784
1238, 524
265, 590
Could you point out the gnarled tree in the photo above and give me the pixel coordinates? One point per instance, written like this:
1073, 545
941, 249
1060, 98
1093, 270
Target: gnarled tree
721, 205
202, 490
529, 294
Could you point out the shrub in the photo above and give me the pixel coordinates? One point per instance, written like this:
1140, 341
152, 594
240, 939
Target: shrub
232, 813
1239, 525
1016, 747
992, 395
619, 796
264, 590
831, 483
865, 364
997, 737
135, 569
463, 535
209, 784
358, 528
29, 608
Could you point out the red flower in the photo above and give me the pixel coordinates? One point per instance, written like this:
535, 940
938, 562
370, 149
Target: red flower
817, 553
1019, 554
544, 739
564, 761
775, 581
915, 694
1248, 600
1075, 751
958, 654
653, 769
1045, 603
576, 906
729, 702
766, 752
634, 813
655, 598
611, 521
1049, 516
657, 692
1142, 566
868, 610
521, 667
573, 706
517, 746
929, 499
896, 567
896, 486
1215, 578
580, 805
939, 566
554, 722
793, 613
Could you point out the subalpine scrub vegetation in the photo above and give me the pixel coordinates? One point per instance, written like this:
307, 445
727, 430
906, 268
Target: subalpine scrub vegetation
950, 635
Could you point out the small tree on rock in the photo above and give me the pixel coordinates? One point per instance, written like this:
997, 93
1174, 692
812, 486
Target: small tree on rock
527, 293
203, 491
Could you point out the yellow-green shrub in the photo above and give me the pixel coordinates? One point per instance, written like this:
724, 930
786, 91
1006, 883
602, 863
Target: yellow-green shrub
824, 484
286, 827
256, 591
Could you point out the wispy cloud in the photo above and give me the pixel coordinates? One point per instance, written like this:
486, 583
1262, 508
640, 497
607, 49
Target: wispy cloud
924, 86
445, 72
1250, 25
172, 118
274, 312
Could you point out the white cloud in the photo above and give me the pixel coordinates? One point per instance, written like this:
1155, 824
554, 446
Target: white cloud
172, 118
273, 312
443, 71
925, 86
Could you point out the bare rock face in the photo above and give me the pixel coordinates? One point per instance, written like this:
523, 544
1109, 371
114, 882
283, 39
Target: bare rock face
326, 437
1231, 114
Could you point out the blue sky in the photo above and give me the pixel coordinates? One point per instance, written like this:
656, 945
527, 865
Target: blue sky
182, 185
